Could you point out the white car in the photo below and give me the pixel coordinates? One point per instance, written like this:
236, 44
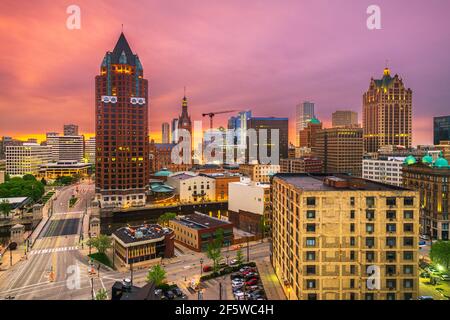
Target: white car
233, 262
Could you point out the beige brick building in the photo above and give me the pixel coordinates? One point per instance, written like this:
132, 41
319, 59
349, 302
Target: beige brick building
259, 172
332, 236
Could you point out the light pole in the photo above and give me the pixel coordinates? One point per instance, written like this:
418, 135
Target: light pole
92, 287
248, 246
201, 267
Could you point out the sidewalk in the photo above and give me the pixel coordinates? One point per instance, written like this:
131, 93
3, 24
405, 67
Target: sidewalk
270, 281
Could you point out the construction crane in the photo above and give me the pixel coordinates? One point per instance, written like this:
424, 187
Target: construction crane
212, 114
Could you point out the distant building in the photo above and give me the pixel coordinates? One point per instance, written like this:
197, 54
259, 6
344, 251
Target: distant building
387, 113
26, 158
3, 165
432, 180
2, 176
383, 169
142, 245
329, 232
303, 164
304, 113
444, 147
90, 150
5, 142
223, 179
259, 172
174, 130
193, 188
165, 130
70, 148
344, 119
441, 129
270, 124
52, 140
161, 158
68, 168
249, 205
307, 136
70, 130
197, 230
340, 149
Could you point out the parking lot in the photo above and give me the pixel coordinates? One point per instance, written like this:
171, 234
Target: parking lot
246, 284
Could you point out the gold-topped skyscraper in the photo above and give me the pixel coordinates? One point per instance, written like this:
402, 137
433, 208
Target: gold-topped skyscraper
387, 113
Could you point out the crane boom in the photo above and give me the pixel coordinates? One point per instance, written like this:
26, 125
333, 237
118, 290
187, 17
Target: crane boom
212, 114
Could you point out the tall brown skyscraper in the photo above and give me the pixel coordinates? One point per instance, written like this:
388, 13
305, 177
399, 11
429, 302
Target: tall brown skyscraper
121, 109
387, 113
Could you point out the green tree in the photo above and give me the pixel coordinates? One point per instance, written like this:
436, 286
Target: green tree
440, 253
101, 243
214, 249
27, 186
157, 275
165, 218
44, 182
29, 177
5, 208
101, 294
239, 256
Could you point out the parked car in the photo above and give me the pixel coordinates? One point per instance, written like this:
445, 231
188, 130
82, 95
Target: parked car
251, 282
445, 277
207, 268
170, 295
177, 292
425, 298
237, 280
233, 262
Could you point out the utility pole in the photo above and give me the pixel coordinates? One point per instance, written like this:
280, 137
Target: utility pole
92, 288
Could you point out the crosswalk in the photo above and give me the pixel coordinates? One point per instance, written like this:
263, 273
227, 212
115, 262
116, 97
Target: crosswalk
52, 250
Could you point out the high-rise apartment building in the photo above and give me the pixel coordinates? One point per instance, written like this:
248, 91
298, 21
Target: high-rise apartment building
441, 129
344, 119
344, 238
387, 113
70, 130
26, 158
52, 140
90, 150
304, 113
340, 149
165, 132
121, 103
432, 180
174, 130
70, 148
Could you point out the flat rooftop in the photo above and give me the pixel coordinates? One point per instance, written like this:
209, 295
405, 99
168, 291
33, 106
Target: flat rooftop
141, 233
334, 182
200, 221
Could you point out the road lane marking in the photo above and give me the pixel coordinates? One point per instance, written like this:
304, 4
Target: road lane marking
53, 250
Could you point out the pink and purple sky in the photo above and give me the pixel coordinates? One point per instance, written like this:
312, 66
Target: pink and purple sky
263, 55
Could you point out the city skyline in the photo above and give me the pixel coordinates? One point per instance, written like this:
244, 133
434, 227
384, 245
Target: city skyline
220, 77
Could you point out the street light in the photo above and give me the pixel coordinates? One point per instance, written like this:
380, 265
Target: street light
201, 267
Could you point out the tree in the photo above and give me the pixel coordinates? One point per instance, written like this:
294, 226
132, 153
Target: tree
101, 243
101, 294
239, 257
165, 218
157, 275
27, 186
44, 182
5, 208
440, 253
214, 249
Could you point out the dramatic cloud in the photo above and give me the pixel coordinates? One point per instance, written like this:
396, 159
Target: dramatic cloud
261, 55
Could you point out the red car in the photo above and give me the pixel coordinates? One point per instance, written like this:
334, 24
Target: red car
207, 268
251, 282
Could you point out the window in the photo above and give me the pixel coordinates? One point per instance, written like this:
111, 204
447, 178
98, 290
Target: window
408, 241
369, 296
391, 201
310, 242
370, 202
390, 296
391, 241
408, 255
370, 227
391, 214
390, 270
310, 214
311, 201
312, 296
370, 214
408, 283
352, 227
408, 214
408, 201
391, 283
408, 227
311, 284
310, 270
310, 227
310, 256
408, 296
391, 227
352, 214
370, 242
352, 201
408, 269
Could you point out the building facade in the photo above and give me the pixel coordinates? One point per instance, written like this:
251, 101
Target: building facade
121, 104
26, 159
222, 181
304, 164
193, 188
259, 172
332, 233
441, 129
71, 130
344, 119
69, 168
340, 149
197, 230
384, 169
307, 136
304, 113
432, 180
69, 148
387, 113
89, 150
165, 132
